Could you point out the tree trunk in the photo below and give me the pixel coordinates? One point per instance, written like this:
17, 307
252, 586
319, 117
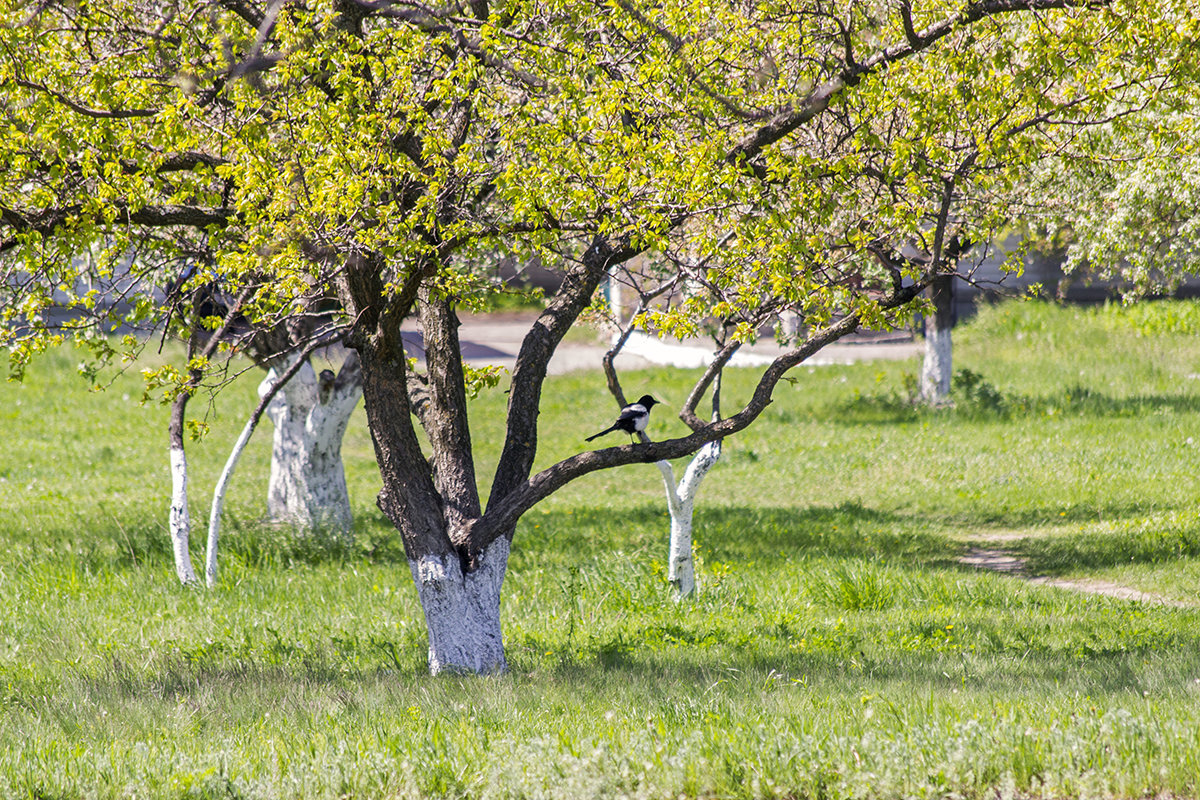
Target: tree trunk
307, 486
178, 520
267, 396
459, 590
462, 609
681, 569
937, 366
179, 523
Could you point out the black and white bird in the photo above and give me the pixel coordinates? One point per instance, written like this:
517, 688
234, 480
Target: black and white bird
632, 419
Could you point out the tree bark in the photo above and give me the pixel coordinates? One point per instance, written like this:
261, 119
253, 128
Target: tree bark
681, 498
462, 609
307, 486
445, 418
179, 522
459, 592
937, 367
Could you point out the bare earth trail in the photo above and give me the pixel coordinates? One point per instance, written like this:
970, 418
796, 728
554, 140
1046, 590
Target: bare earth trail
987, 553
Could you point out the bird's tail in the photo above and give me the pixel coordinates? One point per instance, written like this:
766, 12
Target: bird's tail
601, 433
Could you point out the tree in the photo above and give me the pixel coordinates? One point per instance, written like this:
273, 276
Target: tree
681, 495
1128, 200
307, 487
783, 156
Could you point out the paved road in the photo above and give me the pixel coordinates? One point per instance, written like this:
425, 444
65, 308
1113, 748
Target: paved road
496, 339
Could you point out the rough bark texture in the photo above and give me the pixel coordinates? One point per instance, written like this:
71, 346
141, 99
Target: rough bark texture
529, 373
445, 418
681, 499
462, 610
179, 523
459, 594
308, 484
937, 367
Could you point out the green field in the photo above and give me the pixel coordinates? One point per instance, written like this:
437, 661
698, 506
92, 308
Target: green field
837, 647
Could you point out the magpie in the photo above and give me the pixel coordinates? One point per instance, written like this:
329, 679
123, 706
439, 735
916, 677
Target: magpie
632, 419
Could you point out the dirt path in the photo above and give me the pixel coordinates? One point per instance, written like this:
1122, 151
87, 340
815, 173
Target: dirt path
996, 559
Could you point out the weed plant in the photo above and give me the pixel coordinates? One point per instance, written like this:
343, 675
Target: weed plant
836, 649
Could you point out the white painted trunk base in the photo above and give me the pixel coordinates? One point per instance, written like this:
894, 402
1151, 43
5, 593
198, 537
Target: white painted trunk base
179, 522
307, 486
462, 612
218, 503
937, 367
681, 568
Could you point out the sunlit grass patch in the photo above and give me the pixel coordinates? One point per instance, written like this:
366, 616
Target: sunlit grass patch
837, 648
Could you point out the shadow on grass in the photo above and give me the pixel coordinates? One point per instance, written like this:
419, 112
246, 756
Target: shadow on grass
1146, 544
124, 543
981, 401
830, 674
1109, 654
729, 534
557, 539
746, 534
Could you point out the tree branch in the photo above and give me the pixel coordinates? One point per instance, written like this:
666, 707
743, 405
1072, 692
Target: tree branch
818, 99
87, 111
152, 216
529, 373
503, 512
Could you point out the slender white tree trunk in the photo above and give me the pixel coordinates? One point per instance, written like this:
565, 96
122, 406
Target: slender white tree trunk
179, 522
462, 610
218, 503
308, 482
681, 568
267, 393
937, 367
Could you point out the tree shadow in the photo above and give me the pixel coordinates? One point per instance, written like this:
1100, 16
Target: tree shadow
561, 538
1144, 544
1006, 655
980, 401
729, 534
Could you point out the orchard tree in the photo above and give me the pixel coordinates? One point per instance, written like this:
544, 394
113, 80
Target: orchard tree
1127, 202
88, 301
827, 161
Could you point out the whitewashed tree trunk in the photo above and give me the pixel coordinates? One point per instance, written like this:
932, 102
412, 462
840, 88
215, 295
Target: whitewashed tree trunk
937, 367
218, 503
267, 393
462, 609
308, 483
681, 568
179, 522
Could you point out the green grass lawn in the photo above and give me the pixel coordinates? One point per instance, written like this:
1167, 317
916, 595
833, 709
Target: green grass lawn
837, 647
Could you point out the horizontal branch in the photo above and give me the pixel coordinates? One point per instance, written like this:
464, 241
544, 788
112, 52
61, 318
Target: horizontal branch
87, 111
164, 216
503, 512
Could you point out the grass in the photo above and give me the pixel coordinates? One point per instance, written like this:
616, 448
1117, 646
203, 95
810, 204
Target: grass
837, 649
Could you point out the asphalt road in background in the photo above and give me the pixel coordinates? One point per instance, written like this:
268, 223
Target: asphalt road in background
496, 339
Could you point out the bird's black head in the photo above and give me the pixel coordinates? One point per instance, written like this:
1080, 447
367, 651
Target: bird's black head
647, 401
